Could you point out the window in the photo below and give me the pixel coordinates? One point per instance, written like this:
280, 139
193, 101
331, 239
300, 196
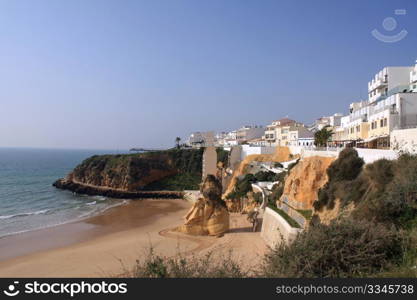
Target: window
358, 128
381, 123
385, 122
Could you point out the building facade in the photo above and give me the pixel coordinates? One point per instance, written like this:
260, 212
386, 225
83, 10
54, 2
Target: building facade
391, 104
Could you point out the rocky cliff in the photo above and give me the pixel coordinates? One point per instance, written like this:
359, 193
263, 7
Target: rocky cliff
175, 169
304, 181
281, 154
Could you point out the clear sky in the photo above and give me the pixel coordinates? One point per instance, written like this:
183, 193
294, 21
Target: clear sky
119, 74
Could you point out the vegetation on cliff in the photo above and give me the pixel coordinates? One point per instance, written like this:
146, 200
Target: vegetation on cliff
174, 169
384, 191
345, 249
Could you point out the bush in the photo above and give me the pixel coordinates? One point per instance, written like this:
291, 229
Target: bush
266, 176
278, 165
283, 214
242, 187
155, 266
276, 193
346, 248
258, 197
222, 156
340, 173
346, 167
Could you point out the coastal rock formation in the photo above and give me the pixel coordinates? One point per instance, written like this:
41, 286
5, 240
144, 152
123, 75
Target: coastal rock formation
281, 154
244, 205
124, 174
209, 215
304, 181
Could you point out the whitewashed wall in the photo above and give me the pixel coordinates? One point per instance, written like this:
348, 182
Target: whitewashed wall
275, 229
404, 140
249, 150
371, 155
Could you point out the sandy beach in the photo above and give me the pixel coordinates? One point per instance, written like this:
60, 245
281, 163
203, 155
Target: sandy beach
107, 244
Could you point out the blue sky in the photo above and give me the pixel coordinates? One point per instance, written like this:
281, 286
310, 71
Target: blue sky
118, 74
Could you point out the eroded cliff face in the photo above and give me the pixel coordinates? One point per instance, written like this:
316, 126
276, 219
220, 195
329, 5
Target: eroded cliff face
132, 172
128, 173
281, 154
209, 215
304, 181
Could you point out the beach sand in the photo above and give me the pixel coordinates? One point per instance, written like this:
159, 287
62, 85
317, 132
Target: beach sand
108, 244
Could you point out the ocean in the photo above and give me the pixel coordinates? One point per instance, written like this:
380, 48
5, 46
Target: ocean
28, 201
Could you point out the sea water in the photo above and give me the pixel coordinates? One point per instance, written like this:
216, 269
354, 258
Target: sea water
28, 201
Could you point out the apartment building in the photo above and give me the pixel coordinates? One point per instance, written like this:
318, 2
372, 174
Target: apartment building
391, 104
201, 139
413, 79
322, 122
388, 80
246, 133
300, 136
226, 139
273, 130
289, 135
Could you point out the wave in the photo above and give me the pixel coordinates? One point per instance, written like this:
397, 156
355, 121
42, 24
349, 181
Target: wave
25, 214
98, 209
92, 203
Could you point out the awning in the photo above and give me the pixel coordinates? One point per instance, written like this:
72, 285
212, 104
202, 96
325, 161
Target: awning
375, 138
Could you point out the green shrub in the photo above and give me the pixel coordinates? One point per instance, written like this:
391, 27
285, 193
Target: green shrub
266, 176
346, 167
278, 165
258, 197
155, 266
341, 172
276, 193
222, 156
283, 214
242, 187
346, 248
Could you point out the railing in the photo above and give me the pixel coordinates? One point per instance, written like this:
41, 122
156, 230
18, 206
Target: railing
321, 148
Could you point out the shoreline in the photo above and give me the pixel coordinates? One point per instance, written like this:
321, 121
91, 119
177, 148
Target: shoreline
107, 244
90, 190
76, 231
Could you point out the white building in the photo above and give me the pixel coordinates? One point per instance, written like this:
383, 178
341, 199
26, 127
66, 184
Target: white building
201, 139
273, 130
247, 133
320, 123
413, 79
391, 104
389, 79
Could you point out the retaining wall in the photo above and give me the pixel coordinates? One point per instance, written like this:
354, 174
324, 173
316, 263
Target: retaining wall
275, 229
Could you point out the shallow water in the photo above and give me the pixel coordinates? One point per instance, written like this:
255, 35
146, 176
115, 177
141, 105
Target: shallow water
28, 201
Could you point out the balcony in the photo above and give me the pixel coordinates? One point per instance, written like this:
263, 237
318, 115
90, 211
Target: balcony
377, 96
377, 83
413, 77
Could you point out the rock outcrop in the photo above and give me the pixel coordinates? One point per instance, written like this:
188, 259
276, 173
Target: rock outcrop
127, 174
304, 181
281, 154
209, 215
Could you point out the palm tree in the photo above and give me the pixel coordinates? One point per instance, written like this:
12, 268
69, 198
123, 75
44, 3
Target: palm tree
322, 136
177, 142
